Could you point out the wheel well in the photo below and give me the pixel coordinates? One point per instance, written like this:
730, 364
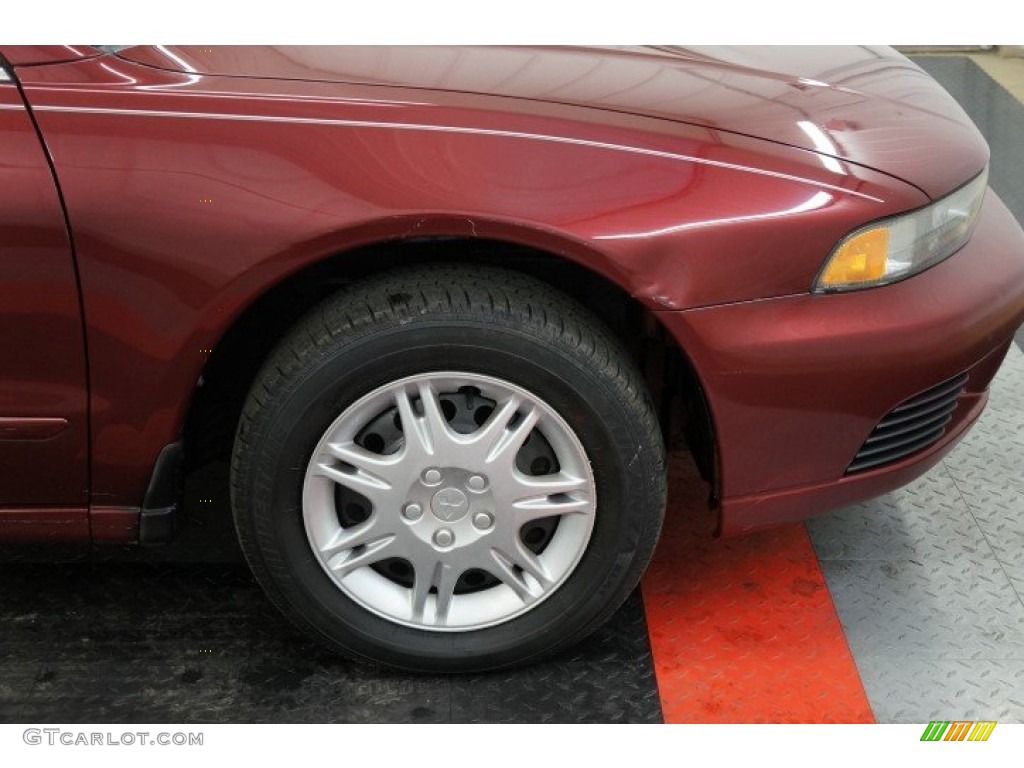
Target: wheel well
212, 417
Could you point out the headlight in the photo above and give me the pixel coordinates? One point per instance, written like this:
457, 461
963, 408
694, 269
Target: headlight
895, 248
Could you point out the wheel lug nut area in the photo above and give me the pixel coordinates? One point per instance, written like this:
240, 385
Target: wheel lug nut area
450, 508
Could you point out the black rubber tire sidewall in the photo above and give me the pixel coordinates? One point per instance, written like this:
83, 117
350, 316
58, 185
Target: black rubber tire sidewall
626, 474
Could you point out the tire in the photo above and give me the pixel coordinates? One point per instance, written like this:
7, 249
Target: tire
324, 461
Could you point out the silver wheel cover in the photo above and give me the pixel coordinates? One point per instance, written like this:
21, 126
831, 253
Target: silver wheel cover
448, 502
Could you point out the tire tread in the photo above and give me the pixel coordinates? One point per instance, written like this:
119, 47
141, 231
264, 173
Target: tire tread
494, 295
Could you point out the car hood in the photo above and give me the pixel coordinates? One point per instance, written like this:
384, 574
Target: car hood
866, 105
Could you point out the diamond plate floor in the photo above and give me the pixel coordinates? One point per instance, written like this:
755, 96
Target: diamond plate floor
928, 580
199, 643
743, 630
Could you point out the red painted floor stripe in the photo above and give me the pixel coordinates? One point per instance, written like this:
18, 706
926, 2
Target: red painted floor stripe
744, 630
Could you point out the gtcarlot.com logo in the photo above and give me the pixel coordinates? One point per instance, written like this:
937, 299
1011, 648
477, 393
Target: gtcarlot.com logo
958, 730
57, 737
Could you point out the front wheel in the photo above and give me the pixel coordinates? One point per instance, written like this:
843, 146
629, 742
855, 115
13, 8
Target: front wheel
448, 469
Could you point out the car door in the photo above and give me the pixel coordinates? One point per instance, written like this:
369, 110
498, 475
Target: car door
43, 384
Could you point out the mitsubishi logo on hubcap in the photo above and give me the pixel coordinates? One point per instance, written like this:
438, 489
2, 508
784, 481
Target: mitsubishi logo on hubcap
449, 505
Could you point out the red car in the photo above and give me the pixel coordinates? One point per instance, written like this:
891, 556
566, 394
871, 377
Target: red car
442, 309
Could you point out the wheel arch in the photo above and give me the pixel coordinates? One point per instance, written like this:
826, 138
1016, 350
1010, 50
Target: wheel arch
211, 414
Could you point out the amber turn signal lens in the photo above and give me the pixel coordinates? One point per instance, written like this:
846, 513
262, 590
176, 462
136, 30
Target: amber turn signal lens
861, 259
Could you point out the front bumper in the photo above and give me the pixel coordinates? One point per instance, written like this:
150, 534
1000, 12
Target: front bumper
796, 384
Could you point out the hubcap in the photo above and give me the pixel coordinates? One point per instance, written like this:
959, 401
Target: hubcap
449, 501
449, 505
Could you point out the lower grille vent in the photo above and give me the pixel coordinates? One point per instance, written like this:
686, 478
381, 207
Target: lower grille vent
911, 426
